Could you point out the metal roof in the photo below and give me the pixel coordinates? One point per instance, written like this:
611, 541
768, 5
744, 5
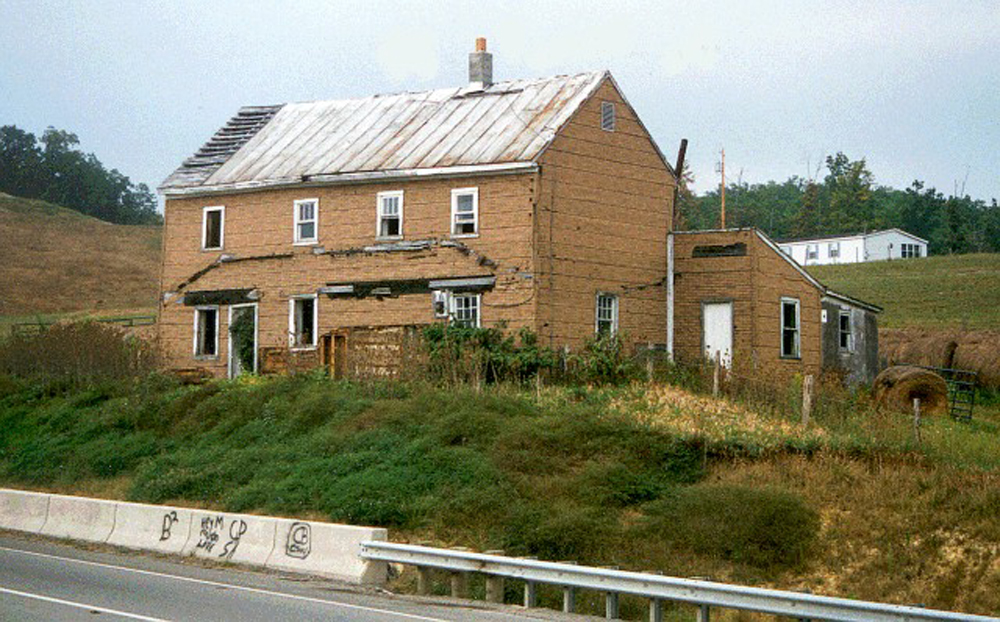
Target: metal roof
508, 123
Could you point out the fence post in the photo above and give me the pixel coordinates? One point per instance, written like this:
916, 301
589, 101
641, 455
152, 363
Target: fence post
916, 420
807, 398
717, 372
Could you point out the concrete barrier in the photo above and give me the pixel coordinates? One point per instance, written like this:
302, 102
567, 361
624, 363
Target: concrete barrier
78, 518
151, 527
23, 511
239, 538
326, 549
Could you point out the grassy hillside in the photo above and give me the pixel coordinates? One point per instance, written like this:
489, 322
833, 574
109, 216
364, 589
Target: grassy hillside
54, 260
643, 477
956, 291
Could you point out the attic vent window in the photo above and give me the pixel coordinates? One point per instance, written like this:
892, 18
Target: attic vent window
720, 250
608, 116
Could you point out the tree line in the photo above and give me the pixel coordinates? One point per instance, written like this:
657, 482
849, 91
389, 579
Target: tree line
53, 168
847, 200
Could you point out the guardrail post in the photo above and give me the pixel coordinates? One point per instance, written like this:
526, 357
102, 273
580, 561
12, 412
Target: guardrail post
459, 584
530, 594
611, 606
703, 613
494, 589
655, 610
423, 580
569, 599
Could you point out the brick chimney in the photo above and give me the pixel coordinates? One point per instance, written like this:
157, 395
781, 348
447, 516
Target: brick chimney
480, 66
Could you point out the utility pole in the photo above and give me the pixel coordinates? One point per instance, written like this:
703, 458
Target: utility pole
722, 168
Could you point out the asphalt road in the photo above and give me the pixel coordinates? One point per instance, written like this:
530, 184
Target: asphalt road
42, 580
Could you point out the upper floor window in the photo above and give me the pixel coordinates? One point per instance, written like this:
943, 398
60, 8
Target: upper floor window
790, 328
390, 215
608, 116
302, 321
606, 321
212, 227
465, 212
465, 310
206, 332
910, 250
306, 221
846, 342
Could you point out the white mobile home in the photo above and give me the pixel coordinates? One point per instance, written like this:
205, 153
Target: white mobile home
874, 246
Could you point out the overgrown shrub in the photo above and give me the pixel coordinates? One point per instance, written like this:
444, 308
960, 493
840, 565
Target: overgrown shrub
478, 355
603, 360
77, 353
765, 528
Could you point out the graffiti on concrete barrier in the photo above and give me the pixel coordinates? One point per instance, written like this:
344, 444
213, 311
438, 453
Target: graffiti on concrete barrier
236, 530
299, 543
209, 535
169, 520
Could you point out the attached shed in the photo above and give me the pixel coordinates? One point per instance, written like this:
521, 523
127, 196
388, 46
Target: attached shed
736, 294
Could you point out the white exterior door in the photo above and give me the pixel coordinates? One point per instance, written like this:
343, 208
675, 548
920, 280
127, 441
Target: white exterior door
717, 328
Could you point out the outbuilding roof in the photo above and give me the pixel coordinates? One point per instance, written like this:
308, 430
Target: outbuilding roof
505, 126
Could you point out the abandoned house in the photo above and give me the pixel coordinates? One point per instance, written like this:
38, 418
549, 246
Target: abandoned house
303, 234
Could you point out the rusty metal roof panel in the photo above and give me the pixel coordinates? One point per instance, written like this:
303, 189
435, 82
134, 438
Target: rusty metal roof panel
507, 122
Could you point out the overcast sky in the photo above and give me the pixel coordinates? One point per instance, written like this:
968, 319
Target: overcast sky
914, 87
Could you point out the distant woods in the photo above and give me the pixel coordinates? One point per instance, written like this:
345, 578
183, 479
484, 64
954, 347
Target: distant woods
847, 200
53, 169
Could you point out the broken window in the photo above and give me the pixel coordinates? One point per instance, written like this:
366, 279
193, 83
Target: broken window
212, 227
608, 116
846, 341
790, 342
606, 322
465, 211
465, 310
390, 214
302, 322
306, 221
206, 332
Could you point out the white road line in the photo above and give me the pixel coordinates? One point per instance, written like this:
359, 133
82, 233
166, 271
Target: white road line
230, 586
92, 608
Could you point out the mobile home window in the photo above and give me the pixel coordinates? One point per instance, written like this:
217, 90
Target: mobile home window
302, 321
834, 250
306, 221
206, 332
390, 214
812, 252
608, 116
465, 212
606, 314
910, 250
465, 310
212, 224
790, 327
845, 331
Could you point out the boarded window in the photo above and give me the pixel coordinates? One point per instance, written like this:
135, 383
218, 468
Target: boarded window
790, 345
390, 214
206, 331
302, 322
465, 211
608, 116
306, 220
845, 331
720, 250
606, 322
465, 310
211, 231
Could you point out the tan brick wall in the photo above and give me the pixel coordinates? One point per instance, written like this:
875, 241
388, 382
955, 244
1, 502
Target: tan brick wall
755, 283
604, 208
261, 223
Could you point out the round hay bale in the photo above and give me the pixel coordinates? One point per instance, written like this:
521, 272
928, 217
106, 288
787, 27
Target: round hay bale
896, 387
980, 352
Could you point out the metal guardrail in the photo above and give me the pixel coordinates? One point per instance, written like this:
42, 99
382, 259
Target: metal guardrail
657, 588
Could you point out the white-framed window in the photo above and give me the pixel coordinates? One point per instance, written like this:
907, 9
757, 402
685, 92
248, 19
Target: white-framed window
844, 330
213, 224
465, 212
910, 250
812, 252
465, 310
389, 218
606, 314
306, 221
790, 328
834, 250
302, 321
206, 332
608, 116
